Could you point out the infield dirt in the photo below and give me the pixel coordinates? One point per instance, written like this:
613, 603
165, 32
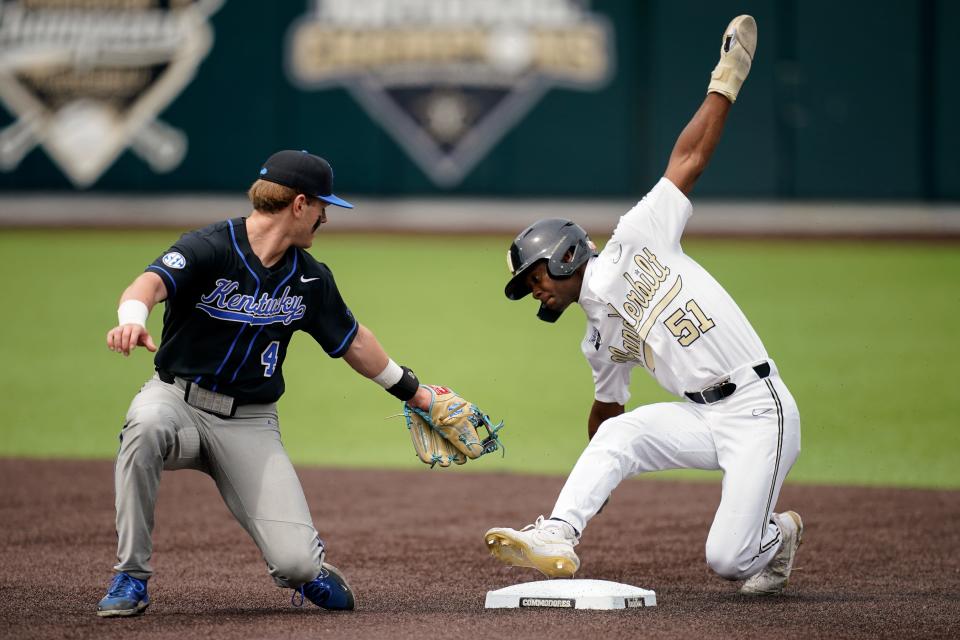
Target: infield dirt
874, 563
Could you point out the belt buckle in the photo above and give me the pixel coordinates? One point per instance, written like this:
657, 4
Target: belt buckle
717, 386
715, 393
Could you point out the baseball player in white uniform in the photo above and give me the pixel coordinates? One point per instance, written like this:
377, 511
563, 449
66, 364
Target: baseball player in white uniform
650, 305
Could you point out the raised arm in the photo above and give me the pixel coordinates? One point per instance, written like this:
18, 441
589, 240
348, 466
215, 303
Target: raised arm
699, 138
697, 142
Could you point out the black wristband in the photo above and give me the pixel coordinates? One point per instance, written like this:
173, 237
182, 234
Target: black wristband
407, 386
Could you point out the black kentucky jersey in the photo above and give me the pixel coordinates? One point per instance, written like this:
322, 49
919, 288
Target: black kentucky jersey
229, 319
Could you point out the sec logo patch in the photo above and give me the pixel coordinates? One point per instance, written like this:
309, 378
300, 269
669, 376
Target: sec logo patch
175, 260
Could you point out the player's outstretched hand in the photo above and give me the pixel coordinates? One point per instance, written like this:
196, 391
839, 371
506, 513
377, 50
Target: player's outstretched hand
126, 337
737, 48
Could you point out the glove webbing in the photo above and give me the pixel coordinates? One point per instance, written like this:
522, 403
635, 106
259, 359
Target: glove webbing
476, 418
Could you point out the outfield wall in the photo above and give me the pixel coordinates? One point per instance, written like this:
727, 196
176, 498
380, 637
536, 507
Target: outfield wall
439, 215
501, 98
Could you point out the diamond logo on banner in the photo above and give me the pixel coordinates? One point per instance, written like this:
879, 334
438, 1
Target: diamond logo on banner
86, 79
448, 78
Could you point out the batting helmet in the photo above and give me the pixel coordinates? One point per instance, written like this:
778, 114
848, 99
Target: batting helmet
563, 244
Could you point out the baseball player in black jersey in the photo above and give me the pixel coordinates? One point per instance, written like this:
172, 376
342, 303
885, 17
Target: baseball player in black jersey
235, 292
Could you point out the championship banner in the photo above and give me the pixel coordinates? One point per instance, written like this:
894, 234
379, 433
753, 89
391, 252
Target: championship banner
448, 78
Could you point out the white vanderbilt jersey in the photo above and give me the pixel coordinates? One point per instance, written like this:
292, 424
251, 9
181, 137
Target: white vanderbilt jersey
649, 304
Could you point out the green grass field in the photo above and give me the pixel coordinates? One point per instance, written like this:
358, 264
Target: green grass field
860, 332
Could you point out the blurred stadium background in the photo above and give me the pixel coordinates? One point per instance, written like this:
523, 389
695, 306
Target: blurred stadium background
126, 121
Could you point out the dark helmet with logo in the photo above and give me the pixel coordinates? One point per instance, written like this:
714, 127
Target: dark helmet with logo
564, 245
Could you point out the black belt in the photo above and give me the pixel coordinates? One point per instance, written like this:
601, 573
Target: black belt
725, 389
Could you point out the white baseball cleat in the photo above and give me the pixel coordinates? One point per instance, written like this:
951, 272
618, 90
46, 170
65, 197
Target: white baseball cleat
545, 545
737, 48
774, 577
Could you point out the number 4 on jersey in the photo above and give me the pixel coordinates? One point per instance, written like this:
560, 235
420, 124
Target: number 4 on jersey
269, 358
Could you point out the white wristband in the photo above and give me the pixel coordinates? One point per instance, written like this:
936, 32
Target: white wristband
132, 312
390, 375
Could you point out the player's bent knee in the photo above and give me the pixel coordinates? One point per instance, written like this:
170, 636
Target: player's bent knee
728, 564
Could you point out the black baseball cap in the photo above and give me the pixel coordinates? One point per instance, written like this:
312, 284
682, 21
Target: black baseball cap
305, 172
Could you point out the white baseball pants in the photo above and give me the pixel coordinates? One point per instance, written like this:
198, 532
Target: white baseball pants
753, 436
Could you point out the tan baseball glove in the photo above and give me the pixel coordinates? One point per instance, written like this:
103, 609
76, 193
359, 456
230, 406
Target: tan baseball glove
447, 433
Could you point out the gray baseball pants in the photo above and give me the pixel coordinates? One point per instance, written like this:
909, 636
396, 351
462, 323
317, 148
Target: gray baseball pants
243, 455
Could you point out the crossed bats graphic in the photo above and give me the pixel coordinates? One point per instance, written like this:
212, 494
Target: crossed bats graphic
157, 143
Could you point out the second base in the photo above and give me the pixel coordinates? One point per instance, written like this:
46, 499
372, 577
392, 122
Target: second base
571, 594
